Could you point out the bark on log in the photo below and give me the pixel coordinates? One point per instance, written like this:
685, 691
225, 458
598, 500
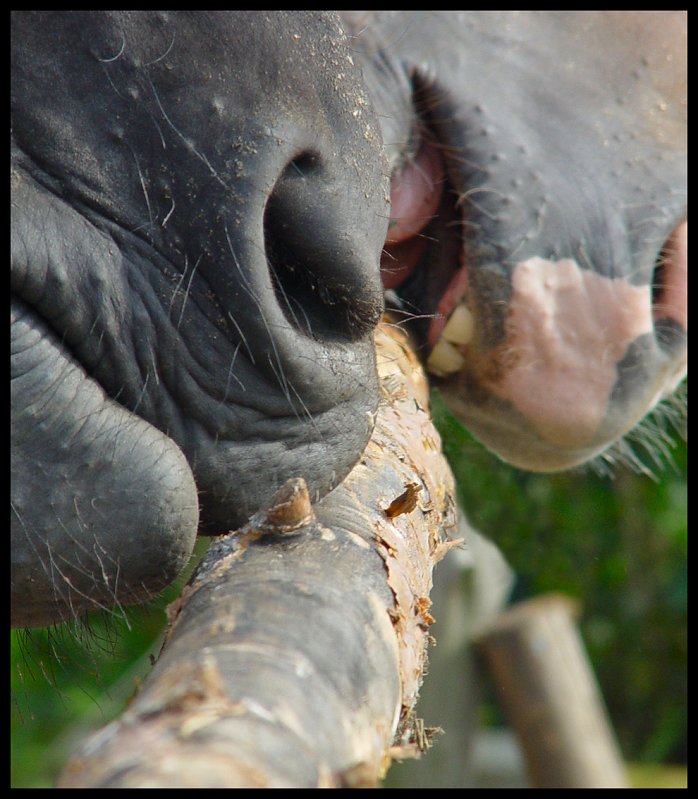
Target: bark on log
295, 654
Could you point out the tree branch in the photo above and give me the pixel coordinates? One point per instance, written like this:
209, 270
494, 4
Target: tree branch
295, 654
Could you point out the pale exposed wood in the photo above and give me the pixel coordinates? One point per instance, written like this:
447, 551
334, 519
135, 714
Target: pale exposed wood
295, 654
547, 687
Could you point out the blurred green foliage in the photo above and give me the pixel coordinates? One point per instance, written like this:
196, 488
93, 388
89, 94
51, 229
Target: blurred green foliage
67, 680
74, 678
618, 544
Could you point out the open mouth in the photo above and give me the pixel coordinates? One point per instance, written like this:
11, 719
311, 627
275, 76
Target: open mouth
425, 258
424, 252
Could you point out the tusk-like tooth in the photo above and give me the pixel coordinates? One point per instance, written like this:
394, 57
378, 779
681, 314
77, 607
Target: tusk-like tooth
460, 326
444, 359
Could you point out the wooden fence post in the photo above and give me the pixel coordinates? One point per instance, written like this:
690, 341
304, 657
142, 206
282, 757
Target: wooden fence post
547, 687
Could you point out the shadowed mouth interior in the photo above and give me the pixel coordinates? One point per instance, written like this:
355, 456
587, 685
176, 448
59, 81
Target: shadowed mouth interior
669, 297
425, 253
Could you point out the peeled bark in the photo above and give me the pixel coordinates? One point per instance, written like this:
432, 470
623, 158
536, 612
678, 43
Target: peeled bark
295, 654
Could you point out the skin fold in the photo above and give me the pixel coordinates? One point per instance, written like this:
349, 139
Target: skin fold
192, 316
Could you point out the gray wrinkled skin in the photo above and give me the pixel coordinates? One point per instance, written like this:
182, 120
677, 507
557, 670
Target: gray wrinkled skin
199, 202
191, 313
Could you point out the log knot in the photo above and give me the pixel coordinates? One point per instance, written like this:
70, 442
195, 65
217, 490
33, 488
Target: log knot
288, 510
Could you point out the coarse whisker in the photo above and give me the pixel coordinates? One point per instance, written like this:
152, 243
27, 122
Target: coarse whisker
242, 338
280, 373
231, 376
187, 142
118, 55
409, 318
287, 387
328, 364
145, 194
187, 290
467, 196
165, 54
168, 215
278, 284
650, 437
141, 394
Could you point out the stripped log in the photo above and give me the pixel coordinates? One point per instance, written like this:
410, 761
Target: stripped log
295, 654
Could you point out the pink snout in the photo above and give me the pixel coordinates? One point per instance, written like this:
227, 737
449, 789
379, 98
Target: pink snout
582, 363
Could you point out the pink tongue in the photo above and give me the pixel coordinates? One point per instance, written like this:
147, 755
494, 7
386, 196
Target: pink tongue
415, 194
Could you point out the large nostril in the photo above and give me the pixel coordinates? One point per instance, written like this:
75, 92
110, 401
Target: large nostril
669, 289
325, 275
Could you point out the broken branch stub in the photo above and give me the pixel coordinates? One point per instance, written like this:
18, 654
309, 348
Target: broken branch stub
295, 654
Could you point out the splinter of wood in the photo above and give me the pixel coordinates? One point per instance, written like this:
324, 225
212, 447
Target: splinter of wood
405, 503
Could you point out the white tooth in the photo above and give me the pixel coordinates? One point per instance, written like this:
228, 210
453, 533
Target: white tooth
460, 326
444, 359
